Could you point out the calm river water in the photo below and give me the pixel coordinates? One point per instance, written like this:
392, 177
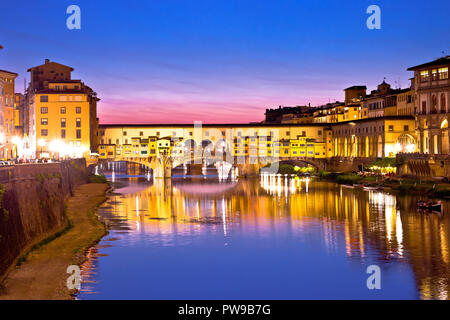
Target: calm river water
196, 238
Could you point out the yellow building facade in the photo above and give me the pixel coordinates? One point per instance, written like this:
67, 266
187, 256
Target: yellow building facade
8, 147
62, 114
239, 140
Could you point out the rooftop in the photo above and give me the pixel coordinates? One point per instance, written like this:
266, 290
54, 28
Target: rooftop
356, 88
48, 62
9, 72
438, 62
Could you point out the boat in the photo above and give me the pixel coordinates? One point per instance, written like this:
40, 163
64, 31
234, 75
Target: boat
372, 188
358, 185
347, 186
434, 207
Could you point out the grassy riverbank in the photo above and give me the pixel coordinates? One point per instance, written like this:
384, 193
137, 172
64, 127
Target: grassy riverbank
426, 187
42, 272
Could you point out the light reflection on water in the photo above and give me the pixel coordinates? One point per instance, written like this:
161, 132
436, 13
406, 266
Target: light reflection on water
274, 238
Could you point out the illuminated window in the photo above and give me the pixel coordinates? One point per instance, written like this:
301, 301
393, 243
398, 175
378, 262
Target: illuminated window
78, 109
44, 121
78, 123
434, 74
63, 122
63, 110
44, 110
443, 73
424, 75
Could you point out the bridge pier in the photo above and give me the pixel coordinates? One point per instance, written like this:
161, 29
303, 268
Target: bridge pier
248, 169
162, 167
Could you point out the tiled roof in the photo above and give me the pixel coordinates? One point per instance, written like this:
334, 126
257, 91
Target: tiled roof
437, 62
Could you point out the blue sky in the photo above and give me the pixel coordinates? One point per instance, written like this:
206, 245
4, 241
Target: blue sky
221, 61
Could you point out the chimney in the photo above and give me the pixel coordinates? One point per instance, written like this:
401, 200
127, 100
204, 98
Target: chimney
47, 61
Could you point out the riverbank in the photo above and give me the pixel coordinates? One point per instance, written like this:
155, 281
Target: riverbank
425, 187
42, 272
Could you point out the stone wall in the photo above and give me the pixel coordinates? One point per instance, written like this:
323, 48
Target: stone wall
33, 204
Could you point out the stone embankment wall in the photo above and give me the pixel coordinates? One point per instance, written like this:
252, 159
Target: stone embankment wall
32, 204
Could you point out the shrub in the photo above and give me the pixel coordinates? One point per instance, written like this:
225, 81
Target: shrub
348, 179
97, 179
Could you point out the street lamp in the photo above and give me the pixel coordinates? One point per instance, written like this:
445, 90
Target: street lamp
41, 143
18, 145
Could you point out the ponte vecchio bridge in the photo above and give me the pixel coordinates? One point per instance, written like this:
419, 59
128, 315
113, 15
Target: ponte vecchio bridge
249, 147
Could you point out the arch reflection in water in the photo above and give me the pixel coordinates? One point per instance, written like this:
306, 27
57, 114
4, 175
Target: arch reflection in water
277, 237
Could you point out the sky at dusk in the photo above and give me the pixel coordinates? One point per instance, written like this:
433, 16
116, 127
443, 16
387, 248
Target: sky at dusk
167, 61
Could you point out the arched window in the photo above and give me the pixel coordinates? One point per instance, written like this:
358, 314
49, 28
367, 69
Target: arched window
405, 143
443, 103
433, 103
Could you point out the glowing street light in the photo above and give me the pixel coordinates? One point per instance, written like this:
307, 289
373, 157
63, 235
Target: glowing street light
41, 143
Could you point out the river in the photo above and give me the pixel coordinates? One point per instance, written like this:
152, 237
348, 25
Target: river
201, 238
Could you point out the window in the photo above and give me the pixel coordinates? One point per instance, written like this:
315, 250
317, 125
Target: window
124, 133
117, 141
63, 122
63, 110
44, 132
78, 121
443, 104
44, 121
44, 98
405, 128
304, 133
141, 133
78, 134
424, 107
288, 133
434, 75
78, 109
63, 133
443, 73
391, 128
319, 132
44, 110
424, 75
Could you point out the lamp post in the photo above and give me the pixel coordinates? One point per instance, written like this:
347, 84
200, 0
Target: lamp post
41, 143
17, 143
